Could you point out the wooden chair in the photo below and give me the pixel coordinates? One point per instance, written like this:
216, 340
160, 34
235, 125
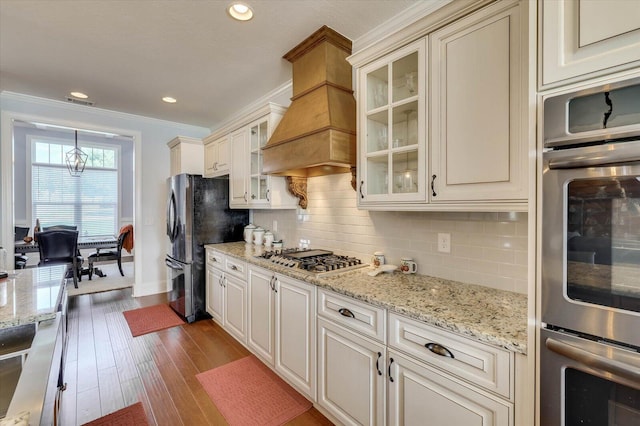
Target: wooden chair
103, 256
60, 247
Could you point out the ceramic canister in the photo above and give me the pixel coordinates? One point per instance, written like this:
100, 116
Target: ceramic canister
258, 236
248, 233
268, 239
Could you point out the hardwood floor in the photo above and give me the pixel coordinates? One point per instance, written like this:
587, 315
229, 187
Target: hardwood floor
107, 369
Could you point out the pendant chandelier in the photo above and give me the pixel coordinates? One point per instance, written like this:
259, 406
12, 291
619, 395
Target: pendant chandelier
76, 160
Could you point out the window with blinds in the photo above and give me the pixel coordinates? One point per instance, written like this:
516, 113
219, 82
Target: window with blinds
89, 201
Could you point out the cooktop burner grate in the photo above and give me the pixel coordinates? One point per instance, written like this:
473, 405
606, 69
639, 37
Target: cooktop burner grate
314, 261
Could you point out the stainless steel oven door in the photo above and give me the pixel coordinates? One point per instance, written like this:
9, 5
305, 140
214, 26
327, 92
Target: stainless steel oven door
587, 382
180, 295
591, 240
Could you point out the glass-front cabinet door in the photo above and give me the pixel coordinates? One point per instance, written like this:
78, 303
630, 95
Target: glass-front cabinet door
392, 92
258, 183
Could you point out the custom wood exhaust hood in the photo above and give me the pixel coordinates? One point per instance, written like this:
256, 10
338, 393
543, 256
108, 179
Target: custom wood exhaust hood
317, 135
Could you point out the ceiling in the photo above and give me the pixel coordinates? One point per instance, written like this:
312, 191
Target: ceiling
126, 55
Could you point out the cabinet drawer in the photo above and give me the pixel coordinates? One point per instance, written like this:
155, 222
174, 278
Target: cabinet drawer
215, 259
483, 365
235, 267
359, 316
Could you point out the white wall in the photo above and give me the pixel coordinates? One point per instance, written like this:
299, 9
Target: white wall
151, 162
488, 249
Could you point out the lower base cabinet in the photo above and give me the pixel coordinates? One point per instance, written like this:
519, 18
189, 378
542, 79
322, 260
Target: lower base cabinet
281, 326
351, 377
235, 307
417, 392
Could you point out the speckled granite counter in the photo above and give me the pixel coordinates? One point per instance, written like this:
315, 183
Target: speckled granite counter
30, 295
485, 314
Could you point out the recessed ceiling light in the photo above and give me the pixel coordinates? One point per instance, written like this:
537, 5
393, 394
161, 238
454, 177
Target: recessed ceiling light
79, 95
240, 11
169, 100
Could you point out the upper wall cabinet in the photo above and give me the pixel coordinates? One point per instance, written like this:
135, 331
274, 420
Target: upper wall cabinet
249, 186
478, 139
185, 156
392, 124
587, 38
443, 121
216, 156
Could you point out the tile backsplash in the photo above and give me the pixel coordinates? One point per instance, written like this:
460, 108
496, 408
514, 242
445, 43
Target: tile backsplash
489, 249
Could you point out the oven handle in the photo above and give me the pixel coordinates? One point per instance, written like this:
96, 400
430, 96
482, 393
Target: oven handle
621, 153
595, 361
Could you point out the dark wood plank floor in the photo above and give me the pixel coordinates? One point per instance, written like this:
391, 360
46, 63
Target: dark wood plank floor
107, 369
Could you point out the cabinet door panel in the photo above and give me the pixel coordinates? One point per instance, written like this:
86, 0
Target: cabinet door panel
238, 173
349, 385
261, 304
215, 294
419, 392
235, 309
295, 333
477, 141
582, 39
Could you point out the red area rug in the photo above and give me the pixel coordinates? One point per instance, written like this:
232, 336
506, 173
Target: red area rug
132, 415
248, 393
152, 318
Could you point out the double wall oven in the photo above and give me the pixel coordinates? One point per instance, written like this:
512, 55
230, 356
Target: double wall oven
590, 297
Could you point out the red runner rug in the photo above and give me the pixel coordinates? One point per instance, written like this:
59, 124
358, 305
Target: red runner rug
150, 319
132, 415
248, 393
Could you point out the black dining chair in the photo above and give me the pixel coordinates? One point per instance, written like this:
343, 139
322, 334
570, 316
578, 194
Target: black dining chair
67, 227
103, 256
21, 259
60, 247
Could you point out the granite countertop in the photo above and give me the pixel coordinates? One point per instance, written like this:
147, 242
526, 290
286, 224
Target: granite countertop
488, 315
30, 295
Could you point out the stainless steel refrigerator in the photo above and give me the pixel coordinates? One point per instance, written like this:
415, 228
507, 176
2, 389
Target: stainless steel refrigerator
197, 214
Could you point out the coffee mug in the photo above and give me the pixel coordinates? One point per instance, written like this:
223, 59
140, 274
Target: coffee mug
377, 259
408, 266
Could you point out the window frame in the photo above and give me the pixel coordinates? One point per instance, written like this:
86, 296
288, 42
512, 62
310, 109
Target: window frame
32, 139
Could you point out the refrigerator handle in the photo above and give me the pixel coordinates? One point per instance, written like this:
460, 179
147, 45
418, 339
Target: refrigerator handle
173, 265
171, 217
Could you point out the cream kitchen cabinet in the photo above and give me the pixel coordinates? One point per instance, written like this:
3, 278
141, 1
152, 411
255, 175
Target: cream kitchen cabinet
393, 149
281, 326
249, 187
185, 156
582, 39
227, 293
351, 359
216, 156
478, 135
443, 123
417, 391
446, 377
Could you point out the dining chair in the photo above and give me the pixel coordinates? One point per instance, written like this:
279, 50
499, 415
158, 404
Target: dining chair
103, 256
67, 227
21, 259
60, 247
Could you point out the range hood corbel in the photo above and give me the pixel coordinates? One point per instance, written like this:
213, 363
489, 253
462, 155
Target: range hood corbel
317, 135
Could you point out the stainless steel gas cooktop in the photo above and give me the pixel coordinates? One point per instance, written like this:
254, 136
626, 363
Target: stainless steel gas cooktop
313, 261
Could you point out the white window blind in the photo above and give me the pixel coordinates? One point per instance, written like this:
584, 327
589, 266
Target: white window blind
89, 201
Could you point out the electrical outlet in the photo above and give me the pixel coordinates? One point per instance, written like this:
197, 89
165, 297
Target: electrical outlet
274, 228
444, 243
